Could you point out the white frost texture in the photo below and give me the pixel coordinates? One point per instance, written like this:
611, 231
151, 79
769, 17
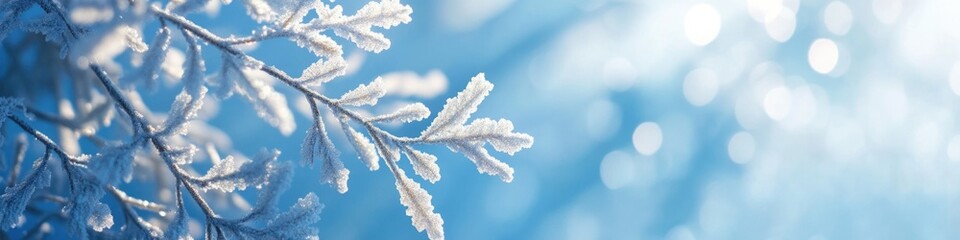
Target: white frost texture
108, 138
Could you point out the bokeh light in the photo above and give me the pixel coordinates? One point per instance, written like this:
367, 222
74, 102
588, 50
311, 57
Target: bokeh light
823, 55
700, 86
647, 138
702, 24
781, 26
838, 17
617, 169
741, 147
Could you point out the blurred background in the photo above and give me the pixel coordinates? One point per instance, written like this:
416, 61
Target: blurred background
743, 119
740, 119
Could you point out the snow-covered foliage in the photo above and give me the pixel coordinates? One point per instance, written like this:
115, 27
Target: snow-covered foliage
178, 152
15, 197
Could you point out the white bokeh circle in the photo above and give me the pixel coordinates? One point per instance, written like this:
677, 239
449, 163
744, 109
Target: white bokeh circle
700, 86
647, 138
823, 55
702, 24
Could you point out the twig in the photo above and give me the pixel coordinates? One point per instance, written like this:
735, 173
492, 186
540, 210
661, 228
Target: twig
226, 46
128, 213
19, 152
380, 136
44, 139
158, 143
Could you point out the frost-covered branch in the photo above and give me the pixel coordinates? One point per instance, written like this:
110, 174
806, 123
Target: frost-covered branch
20, 152
16, 196
175, 142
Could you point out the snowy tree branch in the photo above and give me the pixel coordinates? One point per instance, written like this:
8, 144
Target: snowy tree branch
92, 177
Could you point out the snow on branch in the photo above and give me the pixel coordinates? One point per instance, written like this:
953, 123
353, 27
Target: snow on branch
317, 144
156, 53
418, 204
357, 28
163, 147
233, 173
458, 109
14, 199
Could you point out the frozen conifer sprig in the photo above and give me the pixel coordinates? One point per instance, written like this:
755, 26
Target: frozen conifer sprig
175, 144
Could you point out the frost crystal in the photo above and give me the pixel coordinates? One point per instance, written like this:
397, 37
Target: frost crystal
178, 228
194, 67
322, 71
134, 41
84, 208
11, 11
419, 207
278, 182
367, 151
363, 94
408, 113
256, 87
114, 163
100, 218
424, 164
14, 199
185, 108
320, 45
357, 28
235, 173
458, 109
7, 107
181, 155
485, 163
295, 223
499, 133
149, 71
318, 145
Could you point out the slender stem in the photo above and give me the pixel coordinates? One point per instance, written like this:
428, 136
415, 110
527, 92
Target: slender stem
317, 120
51, 118
54, 198
375, 132
141, 126
158, 143
200, 32
225, 46
71, 124
43, 139
51, 6
136, 119
128, 213
20, 152
256, 38
138, 203
121, 196
56, 148
207, 232
180, 209
126, 202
